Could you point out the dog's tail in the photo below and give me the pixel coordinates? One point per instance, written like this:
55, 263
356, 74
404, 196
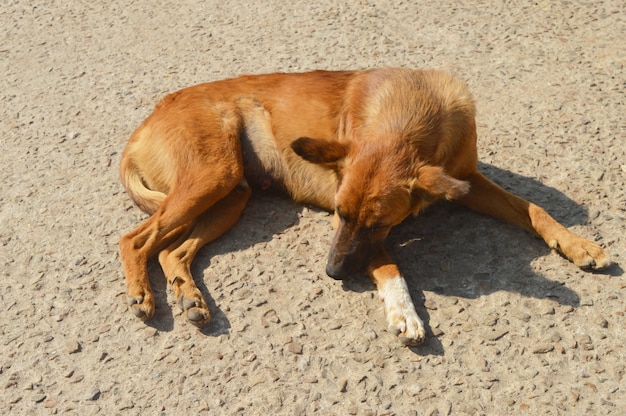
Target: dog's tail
147, 200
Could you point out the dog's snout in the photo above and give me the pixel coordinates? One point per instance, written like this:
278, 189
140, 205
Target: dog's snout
343, 264
336, 273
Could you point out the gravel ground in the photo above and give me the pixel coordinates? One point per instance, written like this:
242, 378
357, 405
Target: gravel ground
513, 328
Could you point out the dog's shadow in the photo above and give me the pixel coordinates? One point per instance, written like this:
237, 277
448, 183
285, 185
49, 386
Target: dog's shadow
263, 218
447, 249
455, 252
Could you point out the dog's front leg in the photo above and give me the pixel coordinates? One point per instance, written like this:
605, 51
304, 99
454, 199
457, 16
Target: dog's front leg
401, 315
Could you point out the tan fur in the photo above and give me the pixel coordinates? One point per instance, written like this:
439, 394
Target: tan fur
373, 145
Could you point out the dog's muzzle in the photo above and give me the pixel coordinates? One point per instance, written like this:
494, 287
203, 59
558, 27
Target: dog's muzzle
349, 255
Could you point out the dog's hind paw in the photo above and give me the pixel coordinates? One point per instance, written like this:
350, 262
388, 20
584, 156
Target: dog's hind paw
197, 312
141, 306
193, 306
402, 318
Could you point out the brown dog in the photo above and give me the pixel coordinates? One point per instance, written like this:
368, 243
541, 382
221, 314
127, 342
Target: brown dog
373, 146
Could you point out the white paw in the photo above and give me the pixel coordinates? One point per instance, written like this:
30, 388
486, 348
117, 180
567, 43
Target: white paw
402, 318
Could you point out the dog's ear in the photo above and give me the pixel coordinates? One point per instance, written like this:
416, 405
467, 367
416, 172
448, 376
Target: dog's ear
433, 181
319, 151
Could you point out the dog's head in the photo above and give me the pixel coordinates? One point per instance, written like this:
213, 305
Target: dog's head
380, 184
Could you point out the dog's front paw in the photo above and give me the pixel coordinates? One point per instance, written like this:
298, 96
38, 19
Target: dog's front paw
402, 318
582, 252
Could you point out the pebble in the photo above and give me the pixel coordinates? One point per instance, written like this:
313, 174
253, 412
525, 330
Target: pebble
522, 316
342, 385
77, 378
493, 335
543, 348
39, 397
586, 301
50, 403
93, 394
294, 348
72, 346
490, 320
559, 348
334, 325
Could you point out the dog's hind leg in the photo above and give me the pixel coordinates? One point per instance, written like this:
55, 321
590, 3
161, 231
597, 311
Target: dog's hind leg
486, 197
190, 151
175, 216
176, 259
402, 318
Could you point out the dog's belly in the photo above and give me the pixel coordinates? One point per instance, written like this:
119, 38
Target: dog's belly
271, 165
262, 171
268, 169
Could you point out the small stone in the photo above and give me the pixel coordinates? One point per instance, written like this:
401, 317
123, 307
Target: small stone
49, 403
522, 316
342, 385
294, 348
309, 379
72, 346
430, 304
559, 348
273, 375
491, 320
543, 348
126, 405
334, 325
14, 399
77, 378
104, 328
586, 301
38, 398
591, 386
494, 335
150, 332
93, 394
587, 347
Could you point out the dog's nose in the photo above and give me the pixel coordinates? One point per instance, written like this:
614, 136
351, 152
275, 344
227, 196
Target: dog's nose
337, 273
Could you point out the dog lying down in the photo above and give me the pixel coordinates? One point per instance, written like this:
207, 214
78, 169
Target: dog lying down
374, 146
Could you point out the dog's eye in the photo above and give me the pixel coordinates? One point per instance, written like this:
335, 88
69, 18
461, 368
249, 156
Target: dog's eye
340, 213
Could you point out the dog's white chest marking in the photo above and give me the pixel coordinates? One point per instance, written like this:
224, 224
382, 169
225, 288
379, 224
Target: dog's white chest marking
402, 318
